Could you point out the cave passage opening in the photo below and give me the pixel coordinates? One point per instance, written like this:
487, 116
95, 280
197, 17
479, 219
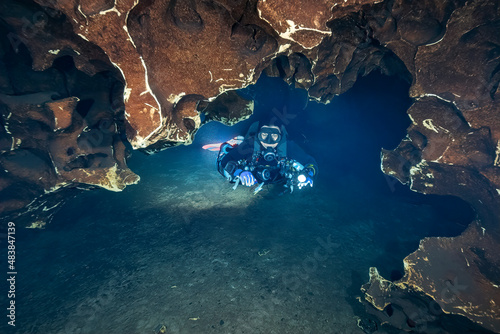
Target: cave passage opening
183, 245
346, 137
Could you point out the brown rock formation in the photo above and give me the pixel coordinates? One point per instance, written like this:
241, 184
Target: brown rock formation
463, 282
302, 22
61, 127
148, 68
452, 148
196, 38
229, 108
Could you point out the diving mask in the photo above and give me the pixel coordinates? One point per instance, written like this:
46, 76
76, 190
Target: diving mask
269, 135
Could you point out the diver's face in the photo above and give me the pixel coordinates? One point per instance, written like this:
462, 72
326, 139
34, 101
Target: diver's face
269, 136
268, 145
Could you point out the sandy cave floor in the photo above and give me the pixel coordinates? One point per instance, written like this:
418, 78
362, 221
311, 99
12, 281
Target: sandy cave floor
184, 250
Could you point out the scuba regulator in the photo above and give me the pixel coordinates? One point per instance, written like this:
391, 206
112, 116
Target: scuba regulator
269, 154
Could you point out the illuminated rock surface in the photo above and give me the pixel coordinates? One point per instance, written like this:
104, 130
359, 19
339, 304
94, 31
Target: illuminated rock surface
463, 282
141, 69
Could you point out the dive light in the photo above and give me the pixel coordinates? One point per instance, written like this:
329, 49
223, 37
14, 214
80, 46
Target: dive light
301, 178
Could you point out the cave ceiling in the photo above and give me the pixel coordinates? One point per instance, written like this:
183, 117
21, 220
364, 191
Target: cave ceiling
78, 77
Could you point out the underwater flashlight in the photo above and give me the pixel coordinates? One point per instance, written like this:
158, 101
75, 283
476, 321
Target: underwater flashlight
302, 178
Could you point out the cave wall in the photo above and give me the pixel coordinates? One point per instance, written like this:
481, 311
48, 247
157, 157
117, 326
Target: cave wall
60, 125
82, 79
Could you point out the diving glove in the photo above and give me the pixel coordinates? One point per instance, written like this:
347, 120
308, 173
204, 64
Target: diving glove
246, 177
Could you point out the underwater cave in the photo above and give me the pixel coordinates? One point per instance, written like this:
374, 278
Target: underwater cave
114, 217
182, 248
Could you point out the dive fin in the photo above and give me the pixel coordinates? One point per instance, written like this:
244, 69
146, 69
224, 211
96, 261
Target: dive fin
212, 147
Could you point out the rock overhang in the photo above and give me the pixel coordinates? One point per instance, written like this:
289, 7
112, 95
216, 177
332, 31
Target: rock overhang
174, 59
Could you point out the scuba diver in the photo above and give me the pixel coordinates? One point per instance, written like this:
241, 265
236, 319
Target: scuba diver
266, 156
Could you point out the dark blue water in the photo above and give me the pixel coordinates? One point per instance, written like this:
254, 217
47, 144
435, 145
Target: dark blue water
184, 250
